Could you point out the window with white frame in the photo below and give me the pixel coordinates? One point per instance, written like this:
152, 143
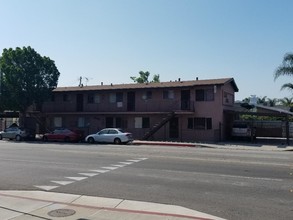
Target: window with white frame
142, 122
199, 123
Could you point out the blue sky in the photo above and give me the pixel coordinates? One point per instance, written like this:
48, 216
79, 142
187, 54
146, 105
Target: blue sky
110, 40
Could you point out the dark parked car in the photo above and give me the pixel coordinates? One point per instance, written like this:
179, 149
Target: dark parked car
63, 134
110, 135
17, 133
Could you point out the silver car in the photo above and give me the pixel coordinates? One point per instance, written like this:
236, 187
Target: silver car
16, 133
110, 135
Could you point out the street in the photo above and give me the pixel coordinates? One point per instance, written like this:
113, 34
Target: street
232, 184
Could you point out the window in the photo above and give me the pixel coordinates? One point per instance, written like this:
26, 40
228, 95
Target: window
168, 94
204, 95
90, 98
119, 97
112, 122
112, 131
81, 122
228, 98
112, 98
116, 97
97, 98
138, 122
142, 122
199, 123
147, 95
57, 122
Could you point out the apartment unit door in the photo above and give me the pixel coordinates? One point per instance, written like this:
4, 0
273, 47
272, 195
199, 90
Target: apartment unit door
79, 102
131, 101
174, 128
185, 100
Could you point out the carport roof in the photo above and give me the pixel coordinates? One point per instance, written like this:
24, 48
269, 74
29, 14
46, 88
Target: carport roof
261, 110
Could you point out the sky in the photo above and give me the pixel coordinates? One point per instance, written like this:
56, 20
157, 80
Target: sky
111, 40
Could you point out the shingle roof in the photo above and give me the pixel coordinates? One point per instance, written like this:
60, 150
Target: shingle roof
171, 84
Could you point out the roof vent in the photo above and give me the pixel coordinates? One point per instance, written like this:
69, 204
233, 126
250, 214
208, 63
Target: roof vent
179, 79
102, 83
196, 78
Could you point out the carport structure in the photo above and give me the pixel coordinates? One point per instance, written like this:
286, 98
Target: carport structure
5, 115
281, 128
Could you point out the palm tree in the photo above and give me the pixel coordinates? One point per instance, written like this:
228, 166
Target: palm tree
286, 101
285, 69
272, 102
262, 100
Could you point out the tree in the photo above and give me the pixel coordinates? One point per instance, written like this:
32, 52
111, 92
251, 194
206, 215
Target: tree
288, 102
26, 78
144, 77
262, 100
285, 69
272, 102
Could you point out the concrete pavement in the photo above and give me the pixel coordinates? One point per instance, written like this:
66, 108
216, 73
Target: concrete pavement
40, 205
222, 145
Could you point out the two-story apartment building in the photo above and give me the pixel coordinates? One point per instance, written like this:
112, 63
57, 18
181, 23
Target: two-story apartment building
173, 111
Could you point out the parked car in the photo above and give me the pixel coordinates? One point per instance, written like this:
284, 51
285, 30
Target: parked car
243, 129
17, 133
63, 134
110, 135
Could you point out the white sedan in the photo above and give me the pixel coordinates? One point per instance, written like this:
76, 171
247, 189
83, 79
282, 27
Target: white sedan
110, 135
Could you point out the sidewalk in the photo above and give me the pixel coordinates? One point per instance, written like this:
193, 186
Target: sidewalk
40, 205
221, 145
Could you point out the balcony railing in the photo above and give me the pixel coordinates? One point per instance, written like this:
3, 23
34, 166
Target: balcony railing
141, 106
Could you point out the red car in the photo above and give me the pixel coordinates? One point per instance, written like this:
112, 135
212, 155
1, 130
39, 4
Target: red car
63, 134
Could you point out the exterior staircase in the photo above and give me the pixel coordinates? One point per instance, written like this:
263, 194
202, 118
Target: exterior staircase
157, 126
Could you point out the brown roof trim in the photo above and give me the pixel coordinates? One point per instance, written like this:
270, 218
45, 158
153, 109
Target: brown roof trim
171, 84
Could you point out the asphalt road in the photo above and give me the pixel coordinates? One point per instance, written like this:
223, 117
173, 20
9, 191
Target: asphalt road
232, 184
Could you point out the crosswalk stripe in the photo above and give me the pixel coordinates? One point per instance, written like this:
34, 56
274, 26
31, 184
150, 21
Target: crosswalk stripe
89, 174
63, 183
100, 171
110, 168
117, 165
127, 163
76, 178
47, 188
133, 160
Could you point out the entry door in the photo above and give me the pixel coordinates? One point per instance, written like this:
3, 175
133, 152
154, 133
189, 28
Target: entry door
131, 101
174, 128
79, 102
185, 100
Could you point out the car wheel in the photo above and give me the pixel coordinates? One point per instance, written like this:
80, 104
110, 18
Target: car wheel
91, 140
0, 137
67, 139
45, 138
117, 141
18, 138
